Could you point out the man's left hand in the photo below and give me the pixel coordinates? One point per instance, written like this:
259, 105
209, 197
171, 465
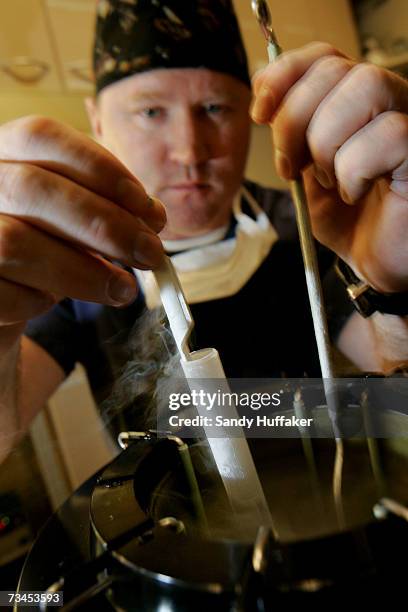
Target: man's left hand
344, 126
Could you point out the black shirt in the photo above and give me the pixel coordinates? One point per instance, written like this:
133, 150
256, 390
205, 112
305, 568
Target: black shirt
264, 330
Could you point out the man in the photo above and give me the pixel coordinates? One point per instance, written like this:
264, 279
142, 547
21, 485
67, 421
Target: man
172, 105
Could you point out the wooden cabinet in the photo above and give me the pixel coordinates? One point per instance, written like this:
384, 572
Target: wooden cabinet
72, 23
45, 53
298, 22
27, 58
47, 46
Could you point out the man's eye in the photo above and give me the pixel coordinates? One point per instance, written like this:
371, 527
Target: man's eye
214, 109
152, 113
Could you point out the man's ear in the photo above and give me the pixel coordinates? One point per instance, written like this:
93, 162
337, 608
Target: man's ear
91, 106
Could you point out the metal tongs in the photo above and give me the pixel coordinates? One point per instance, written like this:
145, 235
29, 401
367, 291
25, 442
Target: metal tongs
175, 304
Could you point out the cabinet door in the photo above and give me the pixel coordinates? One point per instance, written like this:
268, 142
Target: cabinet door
298, 22
26, 48
73, 23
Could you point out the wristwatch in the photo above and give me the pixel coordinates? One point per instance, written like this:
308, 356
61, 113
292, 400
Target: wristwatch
367, 300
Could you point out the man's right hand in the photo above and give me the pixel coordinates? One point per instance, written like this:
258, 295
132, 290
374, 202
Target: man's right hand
67, 207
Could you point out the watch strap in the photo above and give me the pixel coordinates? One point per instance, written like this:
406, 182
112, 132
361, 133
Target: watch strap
367, 300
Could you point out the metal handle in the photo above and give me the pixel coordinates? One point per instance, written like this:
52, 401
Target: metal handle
14, 66
81, 71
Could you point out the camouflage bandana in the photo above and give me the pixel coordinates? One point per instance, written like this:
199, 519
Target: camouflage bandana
138, 35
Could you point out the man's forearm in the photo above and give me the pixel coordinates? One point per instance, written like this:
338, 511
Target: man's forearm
378, 344
10, 427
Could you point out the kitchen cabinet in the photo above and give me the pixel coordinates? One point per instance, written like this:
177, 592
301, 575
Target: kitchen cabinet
56, 36
72, 24
27, 55
297, 23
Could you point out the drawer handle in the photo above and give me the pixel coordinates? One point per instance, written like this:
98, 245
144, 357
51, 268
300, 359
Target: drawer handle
26, 69
81, 71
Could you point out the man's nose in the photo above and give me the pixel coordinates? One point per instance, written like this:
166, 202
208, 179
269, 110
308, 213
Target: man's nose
189, 141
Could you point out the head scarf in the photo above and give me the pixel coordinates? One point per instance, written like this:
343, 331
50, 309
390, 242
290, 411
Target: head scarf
134, 36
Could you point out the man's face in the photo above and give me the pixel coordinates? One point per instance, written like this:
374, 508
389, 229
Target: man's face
184, 134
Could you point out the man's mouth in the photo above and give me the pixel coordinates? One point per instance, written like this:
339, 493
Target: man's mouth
189, 186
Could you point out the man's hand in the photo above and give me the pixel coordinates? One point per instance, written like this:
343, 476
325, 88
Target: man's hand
67, 207
344, 125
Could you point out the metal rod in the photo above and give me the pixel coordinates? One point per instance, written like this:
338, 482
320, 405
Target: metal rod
314, 288
315, 293
307, 244
194, 488
189, 471
373, 450
308, 450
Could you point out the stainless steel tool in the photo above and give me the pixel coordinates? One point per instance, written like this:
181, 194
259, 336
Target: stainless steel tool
263, 15
174, 303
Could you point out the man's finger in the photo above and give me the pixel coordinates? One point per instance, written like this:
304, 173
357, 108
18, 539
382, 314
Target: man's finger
379, 148
58, 268
62, 208
271, 86
297, 109
53, 146
134, 199
365, 92
19, 303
